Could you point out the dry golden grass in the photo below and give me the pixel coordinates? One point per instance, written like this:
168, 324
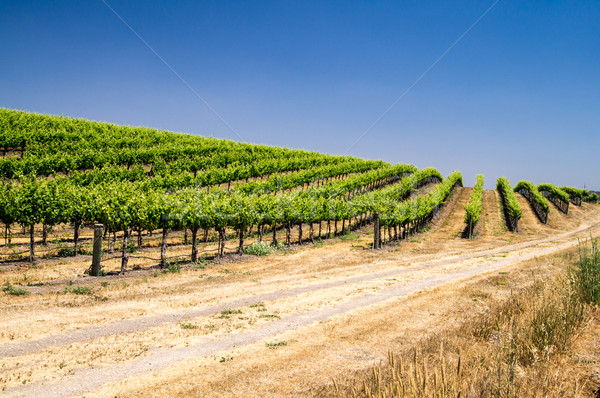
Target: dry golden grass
339, 348
529, 345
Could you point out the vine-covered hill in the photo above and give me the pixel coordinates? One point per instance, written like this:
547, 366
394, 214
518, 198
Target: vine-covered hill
56, 144
57, 170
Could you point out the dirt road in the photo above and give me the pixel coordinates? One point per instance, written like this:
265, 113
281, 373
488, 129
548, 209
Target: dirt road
224, 331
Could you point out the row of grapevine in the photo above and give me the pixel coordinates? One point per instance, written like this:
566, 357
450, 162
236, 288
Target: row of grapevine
44, 134
540, 206
387, 198
575, 194
158, 158
407, 217
555, 195
62, 145
578, 195
362, 183
216, 176
315, 176
234, 164
474, 208
512, 210
122, 206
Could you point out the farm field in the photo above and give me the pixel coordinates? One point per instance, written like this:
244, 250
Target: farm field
166, 319
219, 330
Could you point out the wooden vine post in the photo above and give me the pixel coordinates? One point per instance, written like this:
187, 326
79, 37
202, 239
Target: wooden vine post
97, 253
125, 255
376, 231
163, 248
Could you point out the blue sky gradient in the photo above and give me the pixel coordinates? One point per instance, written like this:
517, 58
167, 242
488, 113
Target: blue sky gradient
519, 96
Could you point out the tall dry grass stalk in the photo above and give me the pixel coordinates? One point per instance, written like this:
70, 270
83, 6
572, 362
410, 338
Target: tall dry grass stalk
586, 273
518, 349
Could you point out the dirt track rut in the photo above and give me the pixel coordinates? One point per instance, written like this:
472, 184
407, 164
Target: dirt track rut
84, 380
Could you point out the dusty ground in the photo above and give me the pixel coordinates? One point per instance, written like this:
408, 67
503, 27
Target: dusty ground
282, 325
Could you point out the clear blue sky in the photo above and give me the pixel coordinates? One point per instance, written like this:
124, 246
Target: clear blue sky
519, 96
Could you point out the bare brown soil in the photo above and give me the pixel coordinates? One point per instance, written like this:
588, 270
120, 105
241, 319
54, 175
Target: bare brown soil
492, 223
282, 325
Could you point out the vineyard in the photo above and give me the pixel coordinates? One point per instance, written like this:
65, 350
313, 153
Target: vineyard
126, 250
60, 172
134, 180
